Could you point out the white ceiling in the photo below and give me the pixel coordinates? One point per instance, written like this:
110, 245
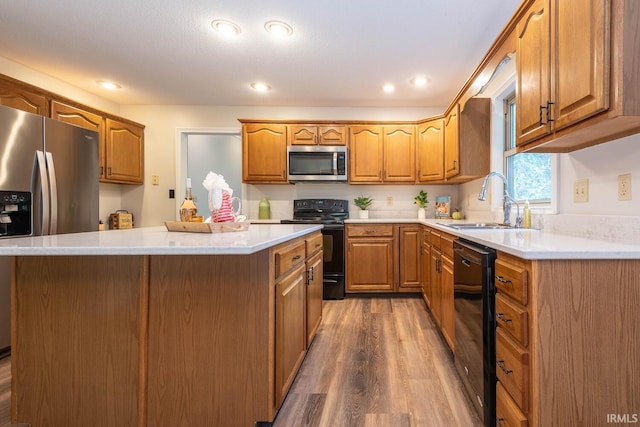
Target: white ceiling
340, 54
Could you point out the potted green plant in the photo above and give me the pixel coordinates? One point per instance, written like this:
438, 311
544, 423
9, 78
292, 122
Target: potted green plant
422, 200
363, 203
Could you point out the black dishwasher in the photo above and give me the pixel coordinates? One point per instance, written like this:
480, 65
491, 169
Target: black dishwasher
474, 300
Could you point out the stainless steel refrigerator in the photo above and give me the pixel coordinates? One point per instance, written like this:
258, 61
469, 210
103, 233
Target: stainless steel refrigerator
48, 185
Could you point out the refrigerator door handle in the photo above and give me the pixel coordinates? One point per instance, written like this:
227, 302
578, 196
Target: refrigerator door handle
54, 193
44, 188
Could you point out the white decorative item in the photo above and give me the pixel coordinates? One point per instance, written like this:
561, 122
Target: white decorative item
364, 214
422, 213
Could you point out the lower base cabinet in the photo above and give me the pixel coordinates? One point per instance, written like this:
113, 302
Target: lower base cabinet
291, 331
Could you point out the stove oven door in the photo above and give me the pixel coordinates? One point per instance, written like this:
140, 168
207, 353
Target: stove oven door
333, 265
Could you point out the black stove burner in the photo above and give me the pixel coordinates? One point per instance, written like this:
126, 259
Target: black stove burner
319, 211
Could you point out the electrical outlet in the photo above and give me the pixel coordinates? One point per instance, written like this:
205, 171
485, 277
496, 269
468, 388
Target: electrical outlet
624, 187
155, 180
389, 201
581, 190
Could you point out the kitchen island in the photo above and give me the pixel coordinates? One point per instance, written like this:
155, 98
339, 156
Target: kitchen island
146, 327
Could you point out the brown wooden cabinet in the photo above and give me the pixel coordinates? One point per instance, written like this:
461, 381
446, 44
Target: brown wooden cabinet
425, 265
366, 159
399, 154
451, 143
439, 293
124, 152
21, 97
317, 135
430, 157
314, 285
370, 258
409, 260
382, 153
264, 153
577, 74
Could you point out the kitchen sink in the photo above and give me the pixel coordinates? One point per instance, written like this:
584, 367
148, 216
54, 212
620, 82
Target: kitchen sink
476, 226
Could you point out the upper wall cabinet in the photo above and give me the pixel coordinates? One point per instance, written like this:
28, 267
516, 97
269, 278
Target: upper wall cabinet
430, 159
451, 143
121, 152
317, 135
13, 95
578, 74
382, 153
264, 153
124, 152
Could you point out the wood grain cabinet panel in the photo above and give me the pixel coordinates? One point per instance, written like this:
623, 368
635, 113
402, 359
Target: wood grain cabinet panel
23, 98
366, 154
317, 135
507, 412
512, 369
264, 153
124, 152
314, 295
409, 261
451, 143
430, 157
85, 119
399, 154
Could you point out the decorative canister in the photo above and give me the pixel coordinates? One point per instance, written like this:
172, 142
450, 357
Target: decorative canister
264, 209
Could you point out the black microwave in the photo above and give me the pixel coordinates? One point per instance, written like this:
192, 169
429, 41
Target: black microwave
317, 163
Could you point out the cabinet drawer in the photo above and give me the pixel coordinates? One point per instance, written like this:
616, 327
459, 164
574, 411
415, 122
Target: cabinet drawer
373, 230
313, 244
446, 245
434, 239
289, 256
512, 368
507, 412
513, 280
426, 234
513, 318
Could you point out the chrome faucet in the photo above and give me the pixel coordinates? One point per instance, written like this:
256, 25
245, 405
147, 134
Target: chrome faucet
507, 200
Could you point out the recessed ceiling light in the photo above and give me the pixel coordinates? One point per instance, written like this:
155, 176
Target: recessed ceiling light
227, 28
278, 28
260, 87
109, 85
419, 81
389, 88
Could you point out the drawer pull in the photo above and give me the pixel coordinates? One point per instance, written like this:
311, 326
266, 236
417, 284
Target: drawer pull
369, 231
500, 364
500, 316
499, 422
297, 257
504, 281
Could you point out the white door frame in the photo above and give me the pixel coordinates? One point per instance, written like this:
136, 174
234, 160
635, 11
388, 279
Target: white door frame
182, 136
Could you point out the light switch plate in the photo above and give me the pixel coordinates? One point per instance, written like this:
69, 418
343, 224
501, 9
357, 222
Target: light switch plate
581, 190
155, 180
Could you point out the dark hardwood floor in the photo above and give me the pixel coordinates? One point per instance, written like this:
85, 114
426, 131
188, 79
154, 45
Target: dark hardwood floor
376, 361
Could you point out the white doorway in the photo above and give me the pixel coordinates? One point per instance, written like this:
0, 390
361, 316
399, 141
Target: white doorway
200, 151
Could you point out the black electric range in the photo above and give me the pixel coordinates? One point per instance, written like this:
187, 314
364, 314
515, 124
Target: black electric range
331, 213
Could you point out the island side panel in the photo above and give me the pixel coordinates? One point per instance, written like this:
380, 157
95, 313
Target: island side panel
75, 355
588, 337
210, 340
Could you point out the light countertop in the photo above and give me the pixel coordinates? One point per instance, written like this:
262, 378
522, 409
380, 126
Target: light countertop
157, 241
529, 243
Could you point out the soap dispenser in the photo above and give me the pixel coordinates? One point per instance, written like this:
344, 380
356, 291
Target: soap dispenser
264, 209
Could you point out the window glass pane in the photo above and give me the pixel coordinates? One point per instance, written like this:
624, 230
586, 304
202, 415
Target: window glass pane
529, 176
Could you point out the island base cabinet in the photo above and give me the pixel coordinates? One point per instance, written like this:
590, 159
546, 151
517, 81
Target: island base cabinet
76, 355
209, 341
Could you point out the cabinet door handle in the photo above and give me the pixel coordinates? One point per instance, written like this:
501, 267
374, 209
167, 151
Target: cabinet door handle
499, 422
500, 364
310, 275
549, 104
101, 170
540, 123
109, 171
501, 317
504, 281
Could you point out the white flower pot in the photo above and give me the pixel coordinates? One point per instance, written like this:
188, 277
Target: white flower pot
364, 214
422, 213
